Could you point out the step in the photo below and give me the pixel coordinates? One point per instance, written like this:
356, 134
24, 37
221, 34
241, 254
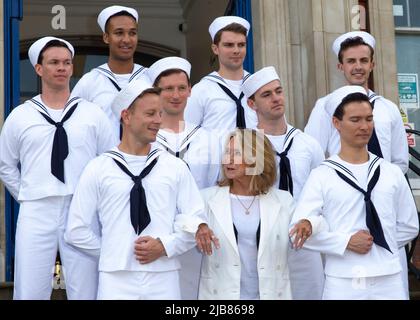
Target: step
6, 292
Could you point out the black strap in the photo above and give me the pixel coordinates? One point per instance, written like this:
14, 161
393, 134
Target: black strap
286, 181
139, 213
115, 84
179, 154
60, 148
119, 89
373, 144
240, 112
372, 219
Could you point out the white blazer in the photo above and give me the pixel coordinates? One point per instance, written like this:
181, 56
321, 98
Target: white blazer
221, 272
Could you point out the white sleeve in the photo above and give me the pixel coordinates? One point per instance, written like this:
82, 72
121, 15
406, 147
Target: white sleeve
81, 88
194, 111
319, 124
399, 143
80, 229
310, 207
9, 158
318, 155
407, 218
106, 139
190, 215
215, 159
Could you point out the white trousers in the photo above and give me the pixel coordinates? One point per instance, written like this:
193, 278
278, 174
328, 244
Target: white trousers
39, 233
189, 274
306, 274
138, 285
389, 287
404, 272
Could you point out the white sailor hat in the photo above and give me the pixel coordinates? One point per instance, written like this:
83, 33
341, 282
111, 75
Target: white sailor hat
36, 48
106, 13
166, 64
258, 80
367, 38
128, 94
221, 22
337, 96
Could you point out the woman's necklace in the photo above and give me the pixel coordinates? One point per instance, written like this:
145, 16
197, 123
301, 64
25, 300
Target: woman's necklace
246, 209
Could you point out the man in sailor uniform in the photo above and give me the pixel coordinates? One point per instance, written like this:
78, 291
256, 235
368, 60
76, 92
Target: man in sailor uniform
119, 26
217, 101
44, 146
147, 202
367, 206
189, 142
355, 51
196, 146
297, 154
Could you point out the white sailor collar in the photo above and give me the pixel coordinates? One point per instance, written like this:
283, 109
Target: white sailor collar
336, 163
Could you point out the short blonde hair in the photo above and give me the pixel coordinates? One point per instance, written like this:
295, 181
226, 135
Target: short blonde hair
258, 155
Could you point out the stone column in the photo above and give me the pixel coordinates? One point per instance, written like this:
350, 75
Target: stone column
382, 28
272, 44
296, 37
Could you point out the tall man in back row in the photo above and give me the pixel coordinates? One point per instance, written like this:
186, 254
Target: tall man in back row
355, 52
119, 26
217, 101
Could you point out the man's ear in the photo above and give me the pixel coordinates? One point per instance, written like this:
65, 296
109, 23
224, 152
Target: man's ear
373, 65
251, 104
340, 66
105, 37
337, 123
38, 69
215, 49
125, 113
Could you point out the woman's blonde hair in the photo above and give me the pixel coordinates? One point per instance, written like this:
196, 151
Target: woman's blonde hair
257, 153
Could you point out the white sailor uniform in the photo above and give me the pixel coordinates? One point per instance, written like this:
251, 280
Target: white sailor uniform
26, 144
344, 210
175, 208
304, 154
212, 108
201, 151
101, 85
389, 129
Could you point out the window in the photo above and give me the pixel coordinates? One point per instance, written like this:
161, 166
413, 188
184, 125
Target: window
407, 13
407, 29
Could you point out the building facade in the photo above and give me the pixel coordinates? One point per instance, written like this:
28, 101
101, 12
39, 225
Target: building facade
295, 36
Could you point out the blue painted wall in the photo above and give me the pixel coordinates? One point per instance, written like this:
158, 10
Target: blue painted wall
13, 12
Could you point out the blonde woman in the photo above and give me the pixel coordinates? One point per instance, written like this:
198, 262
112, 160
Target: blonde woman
250, 217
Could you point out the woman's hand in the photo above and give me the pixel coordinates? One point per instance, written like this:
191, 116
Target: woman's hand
301, 232
204, 237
